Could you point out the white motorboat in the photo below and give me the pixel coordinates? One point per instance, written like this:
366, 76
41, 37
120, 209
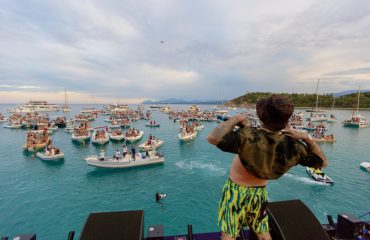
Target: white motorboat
100, 135
81, 135
151, 145
318, 175
13, 125
318, 117
70, 126
127, 162
50, 157
166, 109
220, 111
134, 138
116, 135
194, 108
365, 165
2, 118
184, 136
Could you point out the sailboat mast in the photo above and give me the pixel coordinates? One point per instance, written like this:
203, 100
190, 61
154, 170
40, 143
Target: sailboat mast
65, 97
358, 100
317, 93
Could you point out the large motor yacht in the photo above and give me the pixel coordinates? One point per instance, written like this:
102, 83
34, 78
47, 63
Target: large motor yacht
35, 106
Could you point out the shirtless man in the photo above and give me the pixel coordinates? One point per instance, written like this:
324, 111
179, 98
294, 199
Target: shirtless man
262, 154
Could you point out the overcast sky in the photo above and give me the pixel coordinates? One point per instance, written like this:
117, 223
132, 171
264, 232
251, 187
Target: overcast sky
111, 51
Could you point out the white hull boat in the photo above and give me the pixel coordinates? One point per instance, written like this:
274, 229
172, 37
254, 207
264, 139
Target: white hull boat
136, 138
154, 145
366, 166
54, 157
127, 162
81, 138
100, 140
187, 137
356, 121
116, 137
13, 126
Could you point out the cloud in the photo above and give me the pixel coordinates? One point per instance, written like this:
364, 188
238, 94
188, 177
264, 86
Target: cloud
190, 49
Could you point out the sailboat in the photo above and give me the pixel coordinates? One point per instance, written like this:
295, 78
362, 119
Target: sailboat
66, 108
317, 100
356, 120
319, 116
221, 111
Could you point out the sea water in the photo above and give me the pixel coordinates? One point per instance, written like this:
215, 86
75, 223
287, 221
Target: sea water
51, 199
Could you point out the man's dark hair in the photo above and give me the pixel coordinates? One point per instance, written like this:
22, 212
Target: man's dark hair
275, 111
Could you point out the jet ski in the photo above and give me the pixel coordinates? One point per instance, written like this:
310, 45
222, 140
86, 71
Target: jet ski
319, 175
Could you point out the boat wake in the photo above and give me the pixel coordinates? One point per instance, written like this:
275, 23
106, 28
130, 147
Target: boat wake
306, 180
192, 165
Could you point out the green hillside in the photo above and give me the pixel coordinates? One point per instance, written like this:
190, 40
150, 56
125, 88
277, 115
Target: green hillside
307, 100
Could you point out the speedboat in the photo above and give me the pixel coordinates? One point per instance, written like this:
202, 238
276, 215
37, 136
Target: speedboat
151, 158
366, 166
154, 144
318, 175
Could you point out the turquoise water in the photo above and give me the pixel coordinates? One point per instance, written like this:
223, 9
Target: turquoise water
52, 199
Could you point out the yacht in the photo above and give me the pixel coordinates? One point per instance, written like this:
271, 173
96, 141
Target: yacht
118, 108
35, 106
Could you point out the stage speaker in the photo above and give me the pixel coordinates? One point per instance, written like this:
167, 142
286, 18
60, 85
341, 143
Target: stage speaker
25, 237
155, 232
292, 220
114, 226
349, 226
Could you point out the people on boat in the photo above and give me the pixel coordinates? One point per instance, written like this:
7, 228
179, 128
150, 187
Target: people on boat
124, 151
133, 132
117, 155
102, 155
133, 152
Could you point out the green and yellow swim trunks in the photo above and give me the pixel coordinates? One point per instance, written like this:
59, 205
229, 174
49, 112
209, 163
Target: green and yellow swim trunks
242, 206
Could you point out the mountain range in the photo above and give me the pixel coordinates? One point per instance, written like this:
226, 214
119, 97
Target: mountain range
182, 101
338, 94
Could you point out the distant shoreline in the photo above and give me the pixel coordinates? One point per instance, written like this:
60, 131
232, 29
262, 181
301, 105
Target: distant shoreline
226, 105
